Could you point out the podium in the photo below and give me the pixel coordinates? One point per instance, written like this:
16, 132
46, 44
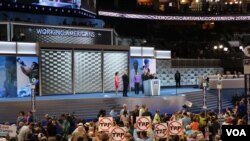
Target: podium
152, 87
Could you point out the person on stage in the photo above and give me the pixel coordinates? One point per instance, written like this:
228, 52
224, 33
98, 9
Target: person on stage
177, 77
125, 80
137, 83
117, 83
143, 78
154, 76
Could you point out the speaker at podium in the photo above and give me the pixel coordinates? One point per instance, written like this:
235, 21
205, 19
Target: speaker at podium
152, 87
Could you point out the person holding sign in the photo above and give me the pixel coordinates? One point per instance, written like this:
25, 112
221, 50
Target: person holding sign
142, 135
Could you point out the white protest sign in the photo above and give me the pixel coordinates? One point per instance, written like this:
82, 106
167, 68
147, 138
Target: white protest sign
175, 127
161, 130
247, 51
143, 123
7, 129
105, 123
118, 133
246, 64
188, 103
219, 83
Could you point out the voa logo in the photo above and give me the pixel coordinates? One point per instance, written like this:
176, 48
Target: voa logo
236, 132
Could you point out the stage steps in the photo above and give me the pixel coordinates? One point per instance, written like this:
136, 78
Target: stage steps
83, 108
88, 108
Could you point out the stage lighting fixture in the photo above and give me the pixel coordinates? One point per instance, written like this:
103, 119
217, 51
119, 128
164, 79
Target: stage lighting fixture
225, 49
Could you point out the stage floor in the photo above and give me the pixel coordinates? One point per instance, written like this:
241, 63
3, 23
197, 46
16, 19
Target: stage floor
164, 93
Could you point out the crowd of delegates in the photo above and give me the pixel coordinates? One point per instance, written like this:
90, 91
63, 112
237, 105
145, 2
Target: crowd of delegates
196, 127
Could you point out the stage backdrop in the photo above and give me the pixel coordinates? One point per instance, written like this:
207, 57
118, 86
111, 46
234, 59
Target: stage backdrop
139, 65
4, 32
16, 75
88, 71
189, 76
113, 62
56, 72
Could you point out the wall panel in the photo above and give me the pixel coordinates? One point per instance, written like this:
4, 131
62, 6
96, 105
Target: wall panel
56, 72
114, 62
87, 71
189, 76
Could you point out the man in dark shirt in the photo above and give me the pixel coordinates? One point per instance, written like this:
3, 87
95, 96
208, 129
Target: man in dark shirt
147, 113
177, 77
125, 80
143, 78
135, 113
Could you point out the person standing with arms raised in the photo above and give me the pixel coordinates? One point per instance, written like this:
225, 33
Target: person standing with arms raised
117, 83
125, 80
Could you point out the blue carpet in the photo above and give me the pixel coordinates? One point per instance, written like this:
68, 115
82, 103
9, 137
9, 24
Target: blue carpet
164, 92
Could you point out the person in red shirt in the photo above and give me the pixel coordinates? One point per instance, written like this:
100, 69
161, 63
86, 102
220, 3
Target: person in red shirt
195, 125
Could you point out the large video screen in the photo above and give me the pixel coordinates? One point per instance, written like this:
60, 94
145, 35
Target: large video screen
8, 79
27, 72
140, 65
17, 75
89, 5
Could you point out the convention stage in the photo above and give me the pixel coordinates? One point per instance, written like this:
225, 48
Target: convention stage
87, 105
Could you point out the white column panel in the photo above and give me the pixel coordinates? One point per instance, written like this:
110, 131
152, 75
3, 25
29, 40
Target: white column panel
7, 48
162, 54
136, 51
26, 48
148, 52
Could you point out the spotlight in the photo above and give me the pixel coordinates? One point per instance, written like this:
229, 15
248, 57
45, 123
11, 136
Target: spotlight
215, 47
241, 47
225, 49
221, 46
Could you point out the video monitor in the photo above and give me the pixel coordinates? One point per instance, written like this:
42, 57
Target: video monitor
18, 74
140, 66
84, 5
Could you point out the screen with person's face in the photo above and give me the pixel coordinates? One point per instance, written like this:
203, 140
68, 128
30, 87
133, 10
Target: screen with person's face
141, 65
18, 74
27, 75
